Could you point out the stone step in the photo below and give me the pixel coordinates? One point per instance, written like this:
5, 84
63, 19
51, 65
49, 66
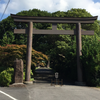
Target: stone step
43, 75
42, 81
43, 78
44, 70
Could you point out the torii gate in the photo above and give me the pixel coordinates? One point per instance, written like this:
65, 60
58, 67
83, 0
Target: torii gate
54, 20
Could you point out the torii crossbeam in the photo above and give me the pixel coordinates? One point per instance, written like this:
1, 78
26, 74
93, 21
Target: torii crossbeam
54, 20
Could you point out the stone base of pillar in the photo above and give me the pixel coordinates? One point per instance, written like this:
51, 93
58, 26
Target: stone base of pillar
28, 82
17, 85
80, 83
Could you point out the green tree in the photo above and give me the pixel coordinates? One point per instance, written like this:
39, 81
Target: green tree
74, 12
8, 38
91, 60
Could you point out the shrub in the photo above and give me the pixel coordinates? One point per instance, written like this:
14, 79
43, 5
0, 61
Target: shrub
6, 77
31, 73
67, 66
91, 60
9, 53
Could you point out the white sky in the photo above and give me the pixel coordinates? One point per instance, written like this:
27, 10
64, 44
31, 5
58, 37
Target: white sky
15, 6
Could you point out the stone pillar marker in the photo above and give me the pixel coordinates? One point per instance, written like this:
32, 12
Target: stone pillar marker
18, 71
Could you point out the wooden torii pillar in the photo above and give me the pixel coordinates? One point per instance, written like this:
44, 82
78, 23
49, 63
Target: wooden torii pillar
54, 20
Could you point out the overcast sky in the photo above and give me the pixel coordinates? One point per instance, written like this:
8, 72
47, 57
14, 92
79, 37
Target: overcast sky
15, 6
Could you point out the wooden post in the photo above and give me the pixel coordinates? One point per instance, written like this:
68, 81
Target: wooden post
29, 51
79, 51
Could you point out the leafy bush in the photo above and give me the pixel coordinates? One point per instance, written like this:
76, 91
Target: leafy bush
31, 73
9, 53
65, 62
91, 60
6, 77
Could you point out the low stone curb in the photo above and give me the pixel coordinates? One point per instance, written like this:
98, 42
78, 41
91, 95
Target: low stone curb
17, 85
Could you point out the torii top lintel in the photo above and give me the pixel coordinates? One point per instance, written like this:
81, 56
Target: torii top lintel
85, 20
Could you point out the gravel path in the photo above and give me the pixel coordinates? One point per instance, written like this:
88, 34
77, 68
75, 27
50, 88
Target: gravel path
65, 92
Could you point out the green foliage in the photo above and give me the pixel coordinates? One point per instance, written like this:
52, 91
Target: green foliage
31, 73
6, 77
10, 52
34, 12
7, 25
59, 14
91, 60
8, 38
63, 59
74, 12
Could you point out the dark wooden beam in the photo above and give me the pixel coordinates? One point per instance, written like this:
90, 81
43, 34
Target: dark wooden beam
20, 31
68, 32
87, 32
63, 32
53, 19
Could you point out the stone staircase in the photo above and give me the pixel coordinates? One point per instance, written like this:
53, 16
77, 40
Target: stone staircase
43, 75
